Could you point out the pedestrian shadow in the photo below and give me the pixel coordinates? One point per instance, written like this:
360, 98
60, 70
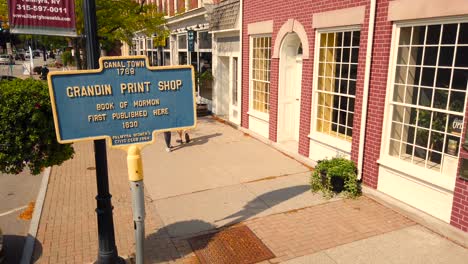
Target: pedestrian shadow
271, 199
196, 141
13, 248
157, 245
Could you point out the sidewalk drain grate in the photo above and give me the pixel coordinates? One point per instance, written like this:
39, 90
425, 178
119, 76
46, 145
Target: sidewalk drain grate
234, 245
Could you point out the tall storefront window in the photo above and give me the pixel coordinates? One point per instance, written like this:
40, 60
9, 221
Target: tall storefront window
336, 83
261, 58
429, 91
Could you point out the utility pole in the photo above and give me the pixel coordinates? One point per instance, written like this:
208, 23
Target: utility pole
107, 249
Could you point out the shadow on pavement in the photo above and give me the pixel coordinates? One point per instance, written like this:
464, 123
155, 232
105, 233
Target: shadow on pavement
13, 247
159, 246
156, 244
270, 198
197, 141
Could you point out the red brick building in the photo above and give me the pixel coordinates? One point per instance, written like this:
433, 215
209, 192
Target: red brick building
380, 82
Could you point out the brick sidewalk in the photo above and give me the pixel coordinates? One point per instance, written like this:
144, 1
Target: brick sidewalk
68, 226
68, 229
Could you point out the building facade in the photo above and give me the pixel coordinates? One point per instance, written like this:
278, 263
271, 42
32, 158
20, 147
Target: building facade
380, 82
189, 41
225, 27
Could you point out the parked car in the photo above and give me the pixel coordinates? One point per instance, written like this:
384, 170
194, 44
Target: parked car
37, 53
27, 55
6, 59
19, 54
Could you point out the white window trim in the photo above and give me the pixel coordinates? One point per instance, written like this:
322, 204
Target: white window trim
419, 173
252, 112
335, 142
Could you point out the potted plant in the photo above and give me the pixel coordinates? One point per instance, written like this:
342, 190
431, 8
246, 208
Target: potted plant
335, 175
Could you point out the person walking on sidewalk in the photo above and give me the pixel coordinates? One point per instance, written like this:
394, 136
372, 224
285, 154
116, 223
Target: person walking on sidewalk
167, 140
182, 134
187, 137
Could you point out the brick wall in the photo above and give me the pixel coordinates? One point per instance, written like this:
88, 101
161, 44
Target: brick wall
302, 11
171, 7
193, 4
181, 6
459, 217
377, 93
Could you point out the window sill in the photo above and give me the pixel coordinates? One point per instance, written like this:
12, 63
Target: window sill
420, 174
336, 143
259, 115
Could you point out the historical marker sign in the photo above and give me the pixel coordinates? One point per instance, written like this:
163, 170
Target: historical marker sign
124, 100
42, 17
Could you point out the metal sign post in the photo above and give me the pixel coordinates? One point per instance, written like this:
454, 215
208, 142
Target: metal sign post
135, 175
127, 102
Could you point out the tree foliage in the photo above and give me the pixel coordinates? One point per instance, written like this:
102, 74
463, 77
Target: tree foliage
28, 132
119, 20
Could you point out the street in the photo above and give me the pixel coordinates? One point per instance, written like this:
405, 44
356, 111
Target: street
16, 192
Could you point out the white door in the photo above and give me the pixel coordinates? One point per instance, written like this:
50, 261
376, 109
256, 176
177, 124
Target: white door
222, 89
289, 90
234, 91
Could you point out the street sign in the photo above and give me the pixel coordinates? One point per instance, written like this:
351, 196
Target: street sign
42, 17
125, 100
191, 40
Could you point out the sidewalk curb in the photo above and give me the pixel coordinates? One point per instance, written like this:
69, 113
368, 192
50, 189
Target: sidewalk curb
30, 239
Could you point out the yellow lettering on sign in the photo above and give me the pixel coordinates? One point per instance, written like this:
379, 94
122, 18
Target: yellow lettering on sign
173, 85
139, 87
89, 90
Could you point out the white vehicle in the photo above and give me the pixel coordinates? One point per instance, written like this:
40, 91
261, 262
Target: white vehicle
27, 55
6, 59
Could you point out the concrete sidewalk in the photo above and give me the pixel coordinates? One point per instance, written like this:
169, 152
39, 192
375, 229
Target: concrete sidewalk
221, 178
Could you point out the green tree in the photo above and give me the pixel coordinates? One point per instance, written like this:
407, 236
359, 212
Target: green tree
28, 131
118, 20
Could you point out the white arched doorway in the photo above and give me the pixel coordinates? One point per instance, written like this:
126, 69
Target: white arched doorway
289, 91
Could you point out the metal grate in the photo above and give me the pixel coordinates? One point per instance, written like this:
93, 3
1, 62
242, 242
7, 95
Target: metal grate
235, 245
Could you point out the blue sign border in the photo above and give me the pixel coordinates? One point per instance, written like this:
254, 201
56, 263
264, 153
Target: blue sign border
101, 69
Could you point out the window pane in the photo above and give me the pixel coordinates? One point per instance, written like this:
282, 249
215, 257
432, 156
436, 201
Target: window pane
418, 35
463, 34
204, 39
427, 78
260, 73
405, 35
440, 99
430, 56
416, 55
335, 105
443, 78
403, 53
457, 101
462, 57
433, 34
449, 33
460, 79
182, 41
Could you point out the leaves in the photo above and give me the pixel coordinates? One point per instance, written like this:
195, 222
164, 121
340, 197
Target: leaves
28, 137
335, 167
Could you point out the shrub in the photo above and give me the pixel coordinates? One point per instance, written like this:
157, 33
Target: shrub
325, 172
28, 132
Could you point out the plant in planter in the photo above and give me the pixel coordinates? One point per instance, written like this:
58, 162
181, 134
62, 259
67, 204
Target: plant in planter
334, 176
